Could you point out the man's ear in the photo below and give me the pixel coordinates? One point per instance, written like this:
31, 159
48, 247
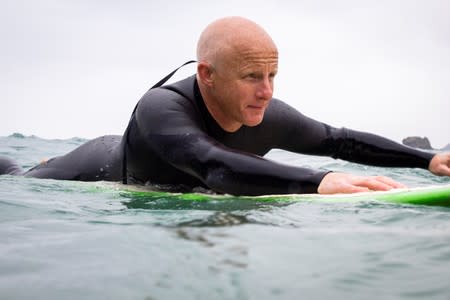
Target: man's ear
205, 73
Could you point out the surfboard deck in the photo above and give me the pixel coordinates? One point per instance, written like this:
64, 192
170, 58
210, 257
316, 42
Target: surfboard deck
430, 195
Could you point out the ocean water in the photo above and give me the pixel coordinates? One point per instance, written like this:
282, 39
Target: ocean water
66, 240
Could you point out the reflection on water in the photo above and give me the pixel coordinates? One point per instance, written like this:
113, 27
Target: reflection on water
173, 202
216, 220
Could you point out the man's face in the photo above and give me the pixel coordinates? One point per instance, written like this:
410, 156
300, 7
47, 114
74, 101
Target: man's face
243, 85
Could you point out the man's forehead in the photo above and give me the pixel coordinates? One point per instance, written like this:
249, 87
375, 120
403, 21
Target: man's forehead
248, 59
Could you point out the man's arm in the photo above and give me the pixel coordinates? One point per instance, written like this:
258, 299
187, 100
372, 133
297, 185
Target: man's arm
334, 183
370, 149
308, 136
234, 172
374, 150
301, 134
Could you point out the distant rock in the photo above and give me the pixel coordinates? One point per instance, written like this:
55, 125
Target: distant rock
17, 135
446, 148
417, 142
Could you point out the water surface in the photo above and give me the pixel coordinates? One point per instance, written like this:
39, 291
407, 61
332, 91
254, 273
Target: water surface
69, 240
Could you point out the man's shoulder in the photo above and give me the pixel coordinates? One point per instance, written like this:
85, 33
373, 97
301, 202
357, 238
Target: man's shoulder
170, 94
185, 87
169, 103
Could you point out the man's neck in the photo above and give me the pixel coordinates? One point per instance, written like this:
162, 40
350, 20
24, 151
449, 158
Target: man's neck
224, 121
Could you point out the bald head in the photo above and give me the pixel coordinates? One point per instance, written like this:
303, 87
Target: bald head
237, 64
232, 36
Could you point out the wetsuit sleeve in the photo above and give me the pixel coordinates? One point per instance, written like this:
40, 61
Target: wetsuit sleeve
173, 131
308, 136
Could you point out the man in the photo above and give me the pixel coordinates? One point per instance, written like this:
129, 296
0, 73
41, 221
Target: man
212, 129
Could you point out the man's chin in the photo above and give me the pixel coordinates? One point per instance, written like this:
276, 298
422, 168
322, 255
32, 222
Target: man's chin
253, 121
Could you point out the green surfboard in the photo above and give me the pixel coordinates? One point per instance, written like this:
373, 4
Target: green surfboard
430, 195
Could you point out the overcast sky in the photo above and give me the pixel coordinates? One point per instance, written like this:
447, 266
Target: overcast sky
77, 67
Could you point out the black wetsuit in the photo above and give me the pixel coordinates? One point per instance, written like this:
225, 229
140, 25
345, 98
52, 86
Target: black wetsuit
172, 139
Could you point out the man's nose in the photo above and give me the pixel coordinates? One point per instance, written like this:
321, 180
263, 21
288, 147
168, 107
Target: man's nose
265, 89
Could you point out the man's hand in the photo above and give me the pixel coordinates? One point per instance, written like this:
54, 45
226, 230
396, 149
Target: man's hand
440, 164
336, 183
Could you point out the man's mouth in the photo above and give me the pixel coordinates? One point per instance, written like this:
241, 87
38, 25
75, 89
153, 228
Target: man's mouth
257, 107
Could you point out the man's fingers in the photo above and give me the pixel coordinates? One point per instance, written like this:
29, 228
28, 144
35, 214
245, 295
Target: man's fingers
341, 188
442, 170
372, 184
378, 183
392, 182
440, 164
